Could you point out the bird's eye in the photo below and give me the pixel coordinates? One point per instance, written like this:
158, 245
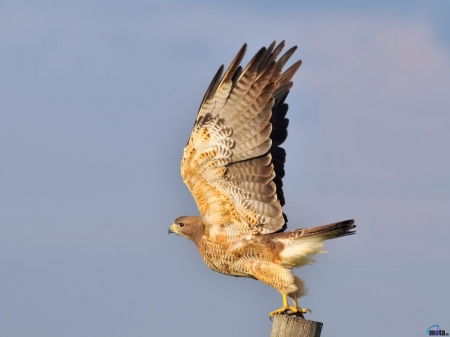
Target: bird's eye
181, 224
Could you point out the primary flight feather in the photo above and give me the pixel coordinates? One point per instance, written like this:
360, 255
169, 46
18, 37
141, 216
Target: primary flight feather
233, 165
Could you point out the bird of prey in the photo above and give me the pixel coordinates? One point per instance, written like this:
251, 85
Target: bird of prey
233, 165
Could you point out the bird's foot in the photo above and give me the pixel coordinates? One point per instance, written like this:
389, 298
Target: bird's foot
295, 311
280, 311
290, 311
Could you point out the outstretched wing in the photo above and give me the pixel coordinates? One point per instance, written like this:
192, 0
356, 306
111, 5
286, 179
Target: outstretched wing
233, 163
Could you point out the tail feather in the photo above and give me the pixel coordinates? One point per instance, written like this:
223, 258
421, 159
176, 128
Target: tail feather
331, 231
300, 244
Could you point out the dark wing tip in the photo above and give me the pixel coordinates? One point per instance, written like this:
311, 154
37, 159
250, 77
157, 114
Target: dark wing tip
212, 86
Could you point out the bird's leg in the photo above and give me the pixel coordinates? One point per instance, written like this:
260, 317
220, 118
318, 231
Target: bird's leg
268, 272
283, 309
287, 309
297, 311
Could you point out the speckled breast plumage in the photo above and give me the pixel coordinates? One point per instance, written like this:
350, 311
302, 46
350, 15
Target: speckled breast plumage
234, 261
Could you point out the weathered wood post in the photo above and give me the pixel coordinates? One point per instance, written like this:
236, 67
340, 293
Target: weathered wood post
291, 326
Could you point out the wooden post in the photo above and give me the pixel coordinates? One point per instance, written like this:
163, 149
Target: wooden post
291, 326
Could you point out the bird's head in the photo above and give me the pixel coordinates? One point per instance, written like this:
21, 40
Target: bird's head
191, 227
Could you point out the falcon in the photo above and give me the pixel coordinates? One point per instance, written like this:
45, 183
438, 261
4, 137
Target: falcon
233, 165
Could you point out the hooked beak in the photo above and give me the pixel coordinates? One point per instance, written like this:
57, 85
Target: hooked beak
171, 229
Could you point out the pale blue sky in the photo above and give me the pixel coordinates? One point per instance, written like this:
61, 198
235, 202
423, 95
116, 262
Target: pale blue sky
97, 100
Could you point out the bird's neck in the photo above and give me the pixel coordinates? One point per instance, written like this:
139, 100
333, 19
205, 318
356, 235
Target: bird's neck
197, 236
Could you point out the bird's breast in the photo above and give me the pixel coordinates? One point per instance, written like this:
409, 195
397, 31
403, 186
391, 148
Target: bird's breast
225, 258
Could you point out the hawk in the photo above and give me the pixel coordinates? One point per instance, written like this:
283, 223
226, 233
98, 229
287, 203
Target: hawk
233, 165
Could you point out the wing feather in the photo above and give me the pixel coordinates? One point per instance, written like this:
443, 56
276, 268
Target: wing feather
259, 171
258, 137
254, 179
261, 161
259, 150
233, 162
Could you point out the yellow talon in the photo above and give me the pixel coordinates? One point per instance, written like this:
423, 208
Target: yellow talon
283, 309
302, 310
298, 312
287, 309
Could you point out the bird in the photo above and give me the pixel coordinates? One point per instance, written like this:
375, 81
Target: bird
233, 165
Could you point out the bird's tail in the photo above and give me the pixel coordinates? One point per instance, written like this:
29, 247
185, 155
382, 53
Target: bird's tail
327, 232
300, 244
